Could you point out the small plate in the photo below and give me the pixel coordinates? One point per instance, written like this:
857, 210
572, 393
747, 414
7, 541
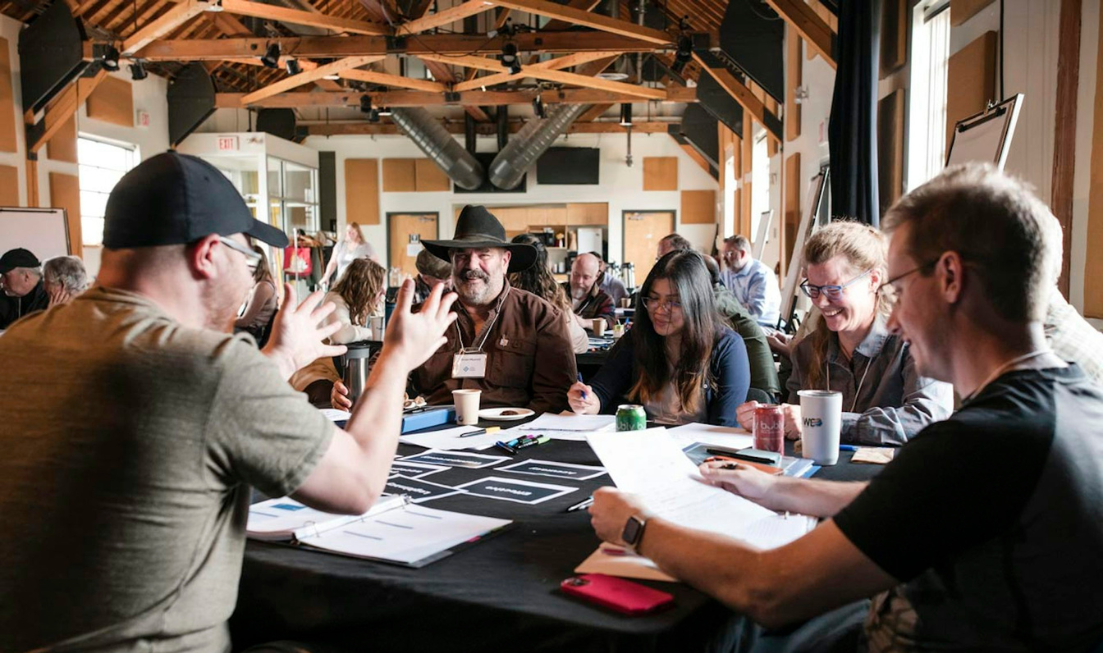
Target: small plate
496, 414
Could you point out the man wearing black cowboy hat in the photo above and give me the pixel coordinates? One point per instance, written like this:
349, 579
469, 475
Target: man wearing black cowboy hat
510, 344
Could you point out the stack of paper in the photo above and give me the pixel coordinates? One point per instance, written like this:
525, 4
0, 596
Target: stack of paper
564, 426
450, 440
278, 519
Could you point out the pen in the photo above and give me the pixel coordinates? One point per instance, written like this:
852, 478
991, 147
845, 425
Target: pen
489, 429
581, 505
530, 441
505, 447
583, 383
847, 447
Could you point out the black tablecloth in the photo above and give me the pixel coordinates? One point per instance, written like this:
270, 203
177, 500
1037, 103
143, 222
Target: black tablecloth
499, 594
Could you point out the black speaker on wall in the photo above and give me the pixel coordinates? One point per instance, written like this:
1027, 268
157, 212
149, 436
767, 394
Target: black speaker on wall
753, 36
278, 122
719, 103
51, 54
700, 130
191, 101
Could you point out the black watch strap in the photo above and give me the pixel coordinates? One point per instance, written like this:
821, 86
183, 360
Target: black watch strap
633, 531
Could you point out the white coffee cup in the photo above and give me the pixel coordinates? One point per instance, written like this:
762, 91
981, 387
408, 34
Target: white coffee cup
599, 327
467, 406
378, 326
821, 414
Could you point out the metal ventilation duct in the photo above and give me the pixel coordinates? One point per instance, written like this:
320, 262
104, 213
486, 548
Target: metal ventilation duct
445, 151
534, 139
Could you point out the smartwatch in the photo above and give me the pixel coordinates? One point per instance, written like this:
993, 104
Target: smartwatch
633, 531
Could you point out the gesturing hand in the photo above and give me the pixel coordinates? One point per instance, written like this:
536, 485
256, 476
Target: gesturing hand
298, 333
414, 337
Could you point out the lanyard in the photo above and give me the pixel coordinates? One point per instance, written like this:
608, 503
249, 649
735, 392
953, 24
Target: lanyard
486, 329
854, 403
1004, 368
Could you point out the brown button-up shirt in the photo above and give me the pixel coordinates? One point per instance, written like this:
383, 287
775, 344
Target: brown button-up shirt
530, 362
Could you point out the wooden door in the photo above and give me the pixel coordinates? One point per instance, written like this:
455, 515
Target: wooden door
403, 230
642, 232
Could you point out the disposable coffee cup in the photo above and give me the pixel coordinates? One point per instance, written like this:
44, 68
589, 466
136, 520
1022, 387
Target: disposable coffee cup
821, 414
625, 302
467, 406
599, 327
378, 326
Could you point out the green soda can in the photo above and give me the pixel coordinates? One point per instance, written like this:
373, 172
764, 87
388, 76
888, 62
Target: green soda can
631, 418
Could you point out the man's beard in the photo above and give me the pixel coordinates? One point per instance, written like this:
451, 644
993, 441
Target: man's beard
578, 294
477, 295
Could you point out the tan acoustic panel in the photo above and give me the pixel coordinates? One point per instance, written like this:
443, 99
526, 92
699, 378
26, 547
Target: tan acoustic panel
794, 69
65, 194
660, 173
1093, 268
970, 81
594, 214
698, 207
398, 176
963, 10
63, 146
792, 209
113, 102
362, 191
7, 101
9, 186
642, 233
772, 144
430, 178
894, 35
890, 148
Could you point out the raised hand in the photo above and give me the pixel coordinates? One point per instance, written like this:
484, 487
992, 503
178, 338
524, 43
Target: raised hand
414, 337
298, 333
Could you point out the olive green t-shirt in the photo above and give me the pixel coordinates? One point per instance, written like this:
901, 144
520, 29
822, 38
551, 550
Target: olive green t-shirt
130, 443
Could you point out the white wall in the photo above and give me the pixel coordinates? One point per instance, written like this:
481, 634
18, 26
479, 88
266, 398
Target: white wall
621, 187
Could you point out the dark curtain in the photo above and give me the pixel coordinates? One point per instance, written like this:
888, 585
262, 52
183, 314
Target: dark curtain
852, 131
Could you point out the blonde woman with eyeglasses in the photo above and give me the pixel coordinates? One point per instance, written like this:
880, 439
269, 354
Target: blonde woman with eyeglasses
852, 351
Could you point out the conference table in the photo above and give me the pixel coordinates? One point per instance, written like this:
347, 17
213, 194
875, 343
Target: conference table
501, 593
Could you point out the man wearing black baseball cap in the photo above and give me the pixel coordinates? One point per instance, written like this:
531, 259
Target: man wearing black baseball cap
140, 424
21, 281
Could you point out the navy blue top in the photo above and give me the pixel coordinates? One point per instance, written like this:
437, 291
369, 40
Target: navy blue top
730, 367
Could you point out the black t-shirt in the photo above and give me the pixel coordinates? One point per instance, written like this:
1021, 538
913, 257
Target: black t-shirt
13, 308
993, 522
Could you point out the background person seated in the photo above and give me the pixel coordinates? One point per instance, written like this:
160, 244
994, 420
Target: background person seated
261, 304
588, 301
63, 278
609, 283
752, 283
357, 296
538, 280
21, 281
670, 243
852, 351
430, 272
679, 360
763, 373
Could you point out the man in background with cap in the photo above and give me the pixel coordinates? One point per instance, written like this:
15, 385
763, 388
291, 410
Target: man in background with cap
507, 343
431, 271
21, 281
135, 424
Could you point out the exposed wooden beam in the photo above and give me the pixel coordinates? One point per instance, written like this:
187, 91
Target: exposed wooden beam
298, 17
446, 17
163, 25
229, 25
594, 112
306, 77
466, 99
600, 84
1064, 137
386, 79
755, 107
456, 127
813, 29
420, 8
468, 61
587, 19
347, 46
584, 5
63, 108
559, 63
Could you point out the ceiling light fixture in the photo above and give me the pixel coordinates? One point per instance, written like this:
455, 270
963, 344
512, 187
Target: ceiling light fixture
271, 58
138, 71
292, 67
509, 58
626, 114
110, 58
365, 103
385, 111
538, 107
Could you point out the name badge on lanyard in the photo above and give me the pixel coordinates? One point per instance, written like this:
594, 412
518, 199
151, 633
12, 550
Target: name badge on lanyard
469, 364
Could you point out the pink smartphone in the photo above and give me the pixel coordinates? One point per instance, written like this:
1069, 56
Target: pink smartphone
616, 593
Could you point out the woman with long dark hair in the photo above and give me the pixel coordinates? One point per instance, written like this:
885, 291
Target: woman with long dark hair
679, 361
539, 281
262, 302
357, 295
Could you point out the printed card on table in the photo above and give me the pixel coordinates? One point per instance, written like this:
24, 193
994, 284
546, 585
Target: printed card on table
508, 489
554, 469
418, 490
454, 459
415, 470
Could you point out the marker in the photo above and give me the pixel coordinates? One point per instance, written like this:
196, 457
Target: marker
532, 441
847, 447
516, 443
583, 383
582, 505
489, 429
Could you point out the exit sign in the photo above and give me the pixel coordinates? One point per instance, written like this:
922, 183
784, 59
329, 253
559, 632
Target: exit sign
227, 143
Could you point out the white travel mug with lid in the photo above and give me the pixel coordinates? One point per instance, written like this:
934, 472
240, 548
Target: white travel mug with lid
821, 414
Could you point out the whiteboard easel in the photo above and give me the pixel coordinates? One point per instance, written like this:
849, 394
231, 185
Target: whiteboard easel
45, 232
817, 189
763, 234
986, 136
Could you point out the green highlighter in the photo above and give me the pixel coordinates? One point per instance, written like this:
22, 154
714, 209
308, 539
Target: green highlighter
532, 442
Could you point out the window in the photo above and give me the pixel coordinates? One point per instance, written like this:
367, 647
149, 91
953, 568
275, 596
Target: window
927, 119
102, 165
292, 198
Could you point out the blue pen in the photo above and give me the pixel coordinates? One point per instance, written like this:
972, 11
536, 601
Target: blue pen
847, 447
583, 383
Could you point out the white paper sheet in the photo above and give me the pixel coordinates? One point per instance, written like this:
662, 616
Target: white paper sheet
278, 519
707, 434
564, 426
450, 440
336, 415
651, 464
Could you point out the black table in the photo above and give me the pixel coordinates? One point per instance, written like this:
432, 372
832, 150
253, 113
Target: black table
500, 594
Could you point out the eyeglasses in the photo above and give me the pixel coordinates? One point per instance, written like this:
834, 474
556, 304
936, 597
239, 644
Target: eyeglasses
831, 292
654, 304
889, 291
252, 259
